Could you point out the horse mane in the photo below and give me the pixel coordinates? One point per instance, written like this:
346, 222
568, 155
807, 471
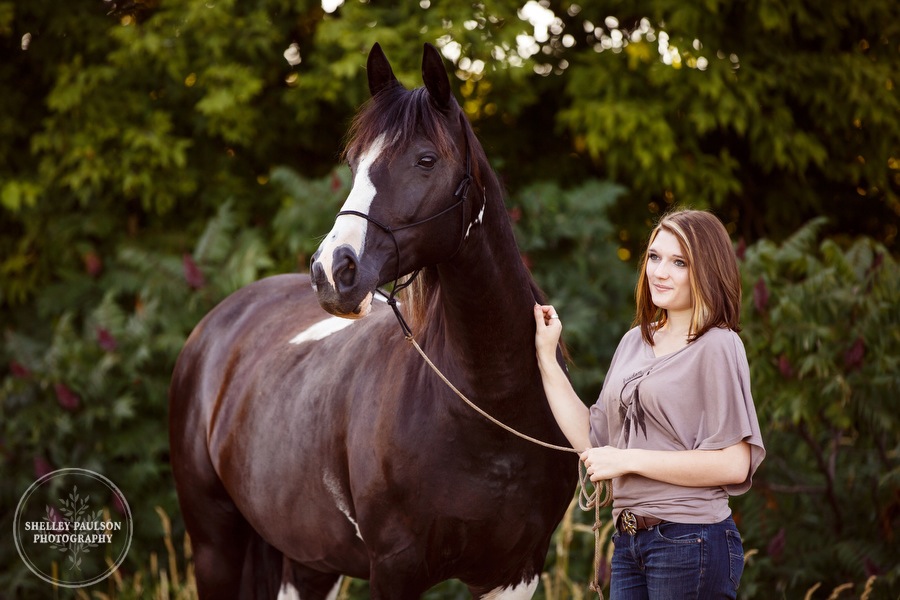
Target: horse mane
400, 115
419, 299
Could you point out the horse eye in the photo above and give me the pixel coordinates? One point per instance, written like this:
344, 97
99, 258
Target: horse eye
427, 162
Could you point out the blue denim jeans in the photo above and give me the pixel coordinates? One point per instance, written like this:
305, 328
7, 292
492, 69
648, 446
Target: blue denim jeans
678, 561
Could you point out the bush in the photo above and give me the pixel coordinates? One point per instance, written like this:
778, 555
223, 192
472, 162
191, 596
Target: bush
822, 332
88, 364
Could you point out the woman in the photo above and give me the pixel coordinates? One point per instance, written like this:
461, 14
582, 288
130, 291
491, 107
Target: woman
675, 427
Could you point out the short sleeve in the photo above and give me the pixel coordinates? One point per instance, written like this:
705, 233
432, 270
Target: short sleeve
729, 414
599, 416
599, 425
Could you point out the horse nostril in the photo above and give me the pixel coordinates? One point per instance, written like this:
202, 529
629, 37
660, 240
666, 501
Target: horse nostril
347, 274
345, 269
317, 273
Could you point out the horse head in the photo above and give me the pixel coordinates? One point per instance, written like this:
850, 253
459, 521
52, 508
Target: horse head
409, 154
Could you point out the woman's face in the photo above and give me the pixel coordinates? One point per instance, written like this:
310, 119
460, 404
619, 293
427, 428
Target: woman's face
668, 274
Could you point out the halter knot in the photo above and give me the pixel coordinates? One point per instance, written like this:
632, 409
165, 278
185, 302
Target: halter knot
462, 190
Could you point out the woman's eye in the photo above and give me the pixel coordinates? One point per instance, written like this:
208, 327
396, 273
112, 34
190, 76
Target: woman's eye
680, 263
653, 256
427, 162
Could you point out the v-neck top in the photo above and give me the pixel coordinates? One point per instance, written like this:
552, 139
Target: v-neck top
696, 398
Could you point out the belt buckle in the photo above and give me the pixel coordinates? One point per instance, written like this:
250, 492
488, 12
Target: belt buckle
629, 522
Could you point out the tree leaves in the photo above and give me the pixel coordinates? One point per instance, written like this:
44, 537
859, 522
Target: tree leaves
824, 349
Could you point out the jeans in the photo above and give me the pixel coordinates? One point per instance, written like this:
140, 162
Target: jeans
678, 561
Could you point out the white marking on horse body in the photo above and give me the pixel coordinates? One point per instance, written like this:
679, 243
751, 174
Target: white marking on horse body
349, 229
522, 591
333, 594
321, 330
334, 487
288, 592
479, 219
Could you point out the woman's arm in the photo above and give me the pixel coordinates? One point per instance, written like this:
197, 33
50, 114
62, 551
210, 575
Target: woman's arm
691, 468
572, 416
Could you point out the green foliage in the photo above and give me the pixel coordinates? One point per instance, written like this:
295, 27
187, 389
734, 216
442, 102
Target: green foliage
822, 333
769, 112
156, 157
134, 110
89, 363
305, 213
570, 245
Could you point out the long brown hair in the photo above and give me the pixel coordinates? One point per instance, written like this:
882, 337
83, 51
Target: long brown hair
714, 276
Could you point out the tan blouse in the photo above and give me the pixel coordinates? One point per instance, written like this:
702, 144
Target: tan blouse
697, 398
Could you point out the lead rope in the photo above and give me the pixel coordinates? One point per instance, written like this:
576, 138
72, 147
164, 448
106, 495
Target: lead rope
600, 497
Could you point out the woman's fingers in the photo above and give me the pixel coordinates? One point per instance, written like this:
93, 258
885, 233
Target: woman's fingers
545, 313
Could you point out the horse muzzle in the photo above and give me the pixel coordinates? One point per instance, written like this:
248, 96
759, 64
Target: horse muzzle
343, 287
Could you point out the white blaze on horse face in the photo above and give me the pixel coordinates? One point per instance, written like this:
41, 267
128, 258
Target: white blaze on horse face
351, 230
523, 591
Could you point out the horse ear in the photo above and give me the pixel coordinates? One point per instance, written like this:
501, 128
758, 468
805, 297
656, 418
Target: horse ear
434, 74
381, 76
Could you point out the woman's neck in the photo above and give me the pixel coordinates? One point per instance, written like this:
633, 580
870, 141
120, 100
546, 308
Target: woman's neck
673, 335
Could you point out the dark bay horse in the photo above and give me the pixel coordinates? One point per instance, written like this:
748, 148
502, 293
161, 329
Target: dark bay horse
306, 446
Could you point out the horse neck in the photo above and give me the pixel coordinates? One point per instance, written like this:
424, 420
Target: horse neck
487, 307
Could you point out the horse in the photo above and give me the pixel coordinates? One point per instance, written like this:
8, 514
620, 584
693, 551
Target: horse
308, 446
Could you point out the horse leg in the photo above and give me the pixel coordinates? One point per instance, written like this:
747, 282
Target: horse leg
302, 583
230, 559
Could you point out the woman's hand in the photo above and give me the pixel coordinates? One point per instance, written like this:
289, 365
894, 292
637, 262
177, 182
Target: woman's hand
605, 462
547, 331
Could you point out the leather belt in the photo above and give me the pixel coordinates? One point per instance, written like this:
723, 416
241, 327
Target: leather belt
631, 523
